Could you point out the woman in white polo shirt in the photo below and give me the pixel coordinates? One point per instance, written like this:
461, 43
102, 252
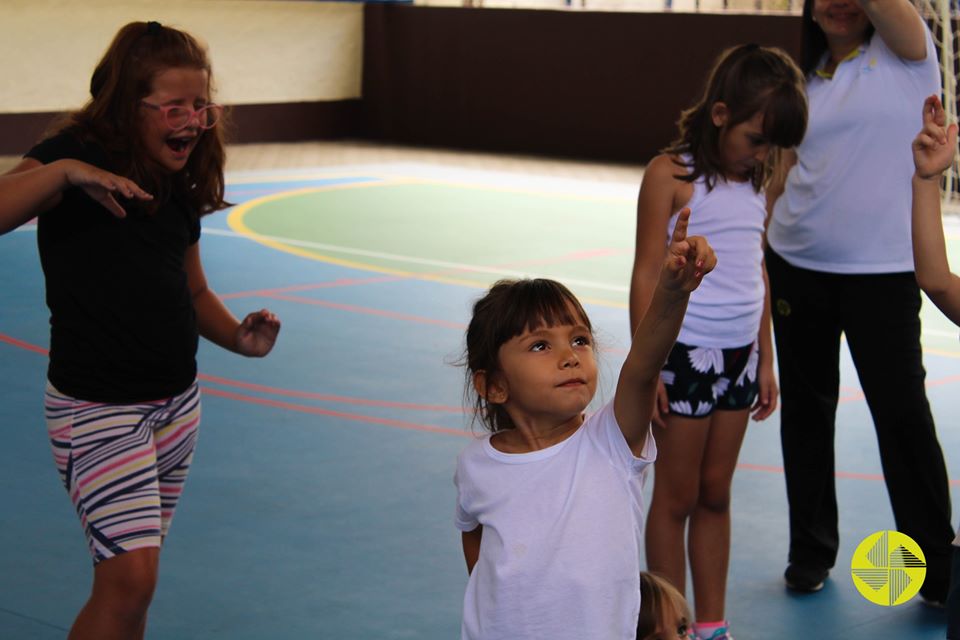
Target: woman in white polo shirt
840, 262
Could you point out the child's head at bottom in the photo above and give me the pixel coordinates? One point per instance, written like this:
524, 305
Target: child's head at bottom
529, 343
664, 614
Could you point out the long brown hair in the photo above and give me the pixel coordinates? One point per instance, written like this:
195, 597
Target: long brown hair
111, 117
813, 42
749, 79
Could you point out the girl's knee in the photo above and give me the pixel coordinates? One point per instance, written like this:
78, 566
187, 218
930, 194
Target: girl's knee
127, 581
714, 499
677, 505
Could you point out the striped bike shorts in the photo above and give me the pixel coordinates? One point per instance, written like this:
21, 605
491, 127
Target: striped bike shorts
123, 465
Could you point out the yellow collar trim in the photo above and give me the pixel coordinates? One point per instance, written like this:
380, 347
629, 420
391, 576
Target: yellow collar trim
850, 56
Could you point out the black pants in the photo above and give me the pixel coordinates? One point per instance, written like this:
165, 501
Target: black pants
953, 600
880, 315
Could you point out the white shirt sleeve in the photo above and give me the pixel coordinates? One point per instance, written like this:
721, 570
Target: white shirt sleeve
603, 429
462, 520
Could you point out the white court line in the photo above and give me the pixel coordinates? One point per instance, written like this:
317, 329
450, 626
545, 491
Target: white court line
393, 257
459, 175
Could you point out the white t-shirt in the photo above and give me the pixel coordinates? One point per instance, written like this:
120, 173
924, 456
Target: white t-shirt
559, 556
846, 206
724, 311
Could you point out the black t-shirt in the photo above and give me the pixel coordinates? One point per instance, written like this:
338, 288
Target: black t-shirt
122, 323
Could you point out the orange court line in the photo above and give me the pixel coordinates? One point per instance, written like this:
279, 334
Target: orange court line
849, 475
398, 424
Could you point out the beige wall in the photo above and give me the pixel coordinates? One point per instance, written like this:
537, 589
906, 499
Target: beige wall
263, 51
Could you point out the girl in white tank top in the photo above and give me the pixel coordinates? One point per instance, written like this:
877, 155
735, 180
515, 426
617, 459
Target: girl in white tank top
721, 368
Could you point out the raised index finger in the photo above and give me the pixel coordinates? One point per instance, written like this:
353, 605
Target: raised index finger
680, 229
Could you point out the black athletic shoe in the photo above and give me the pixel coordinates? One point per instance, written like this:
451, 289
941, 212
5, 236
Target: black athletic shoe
933, 603
805, 579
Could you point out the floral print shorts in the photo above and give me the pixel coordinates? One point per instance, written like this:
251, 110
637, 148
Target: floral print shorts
700, 380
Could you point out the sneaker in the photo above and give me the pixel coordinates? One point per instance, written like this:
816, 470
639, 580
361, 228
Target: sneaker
933, 603
722, 633
805, 579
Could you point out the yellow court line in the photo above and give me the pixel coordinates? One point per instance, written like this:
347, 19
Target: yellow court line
388, 180
267, 178
235, 220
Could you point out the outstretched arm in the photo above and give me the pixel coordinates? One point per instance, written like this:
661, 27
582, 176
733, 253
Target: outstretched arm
687, 261
31, 188
255, 336
658, 199
933, 152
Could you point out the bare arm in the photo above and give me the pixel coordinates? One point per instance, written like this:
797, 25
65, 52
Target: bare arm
900, 26
655, 205
31, 188
933, 151
255, 336
471, 547
687, 261
778, 181
767, 398
661, 193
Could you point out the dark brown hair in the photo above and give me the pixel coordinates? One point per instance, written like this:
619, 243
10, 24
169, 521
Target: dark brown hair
111, 118
655, 595
813, 42
508, 309
748, 79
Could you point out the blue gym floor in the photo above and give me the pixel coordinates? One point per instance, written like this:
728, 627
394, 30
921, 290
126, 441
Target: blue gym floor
321, 500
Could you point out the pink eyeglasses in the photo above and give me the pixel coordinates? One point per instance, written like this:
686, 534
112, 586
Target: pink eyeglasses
177, 117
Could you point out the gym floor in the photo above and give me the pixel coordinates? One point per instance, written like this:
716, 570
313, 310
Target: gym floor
320, 504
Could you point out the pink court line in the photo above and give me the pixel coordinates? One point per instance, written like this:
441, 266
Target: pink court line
329, 398
278, 391
23, 345
397, 424
341, 282
371, 311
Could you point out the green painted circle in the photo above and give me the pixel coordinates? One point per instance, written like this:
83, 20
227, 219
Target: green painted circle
587, 243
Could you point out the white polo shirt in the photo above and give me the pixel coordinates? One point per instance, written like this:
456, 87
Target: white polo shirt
846, 206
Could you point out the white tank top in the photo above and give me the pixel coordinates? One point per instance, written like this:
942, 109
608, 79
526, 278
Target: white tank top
725, 310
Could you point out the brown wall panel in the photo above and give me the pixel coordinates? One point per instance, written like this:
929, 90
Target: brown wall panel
604, 85
291, 122
20, 131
